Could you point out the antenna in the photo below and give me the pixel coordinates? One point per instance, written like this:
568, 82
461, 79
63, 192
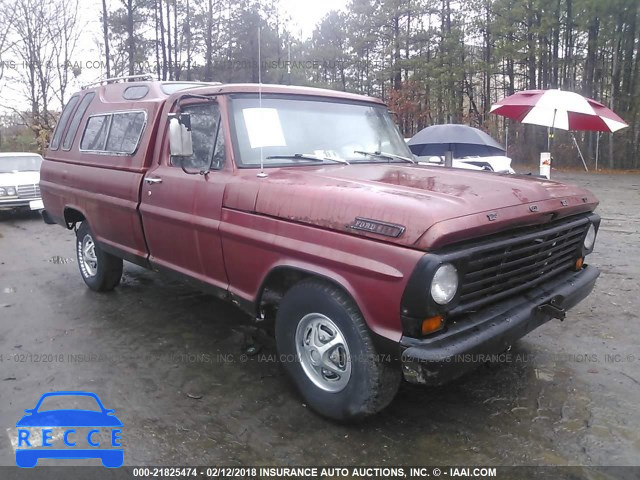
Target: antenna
261, 174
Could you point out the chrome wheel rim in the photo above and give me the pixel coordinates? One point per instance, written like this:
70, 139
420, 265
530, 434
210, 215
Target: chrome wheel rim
87, 255
323, 352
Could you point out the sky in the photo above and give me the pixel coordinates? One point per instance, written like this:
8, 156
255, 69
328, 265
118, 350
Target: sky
305, 14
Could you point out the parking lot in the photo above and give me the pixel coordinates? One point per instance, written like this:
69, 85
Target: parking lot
177, 367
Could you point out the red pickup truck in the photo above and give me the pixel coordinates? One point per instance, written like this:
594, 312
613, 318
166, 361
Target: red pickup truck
305, 208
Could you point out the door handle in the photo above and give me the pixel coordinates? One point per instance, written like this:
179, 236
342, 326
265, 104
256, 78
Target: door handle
152, 180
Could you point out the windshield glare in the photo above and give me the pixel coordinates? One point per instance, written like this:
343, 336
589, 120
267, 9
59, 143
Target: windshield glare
285, 126
20, 164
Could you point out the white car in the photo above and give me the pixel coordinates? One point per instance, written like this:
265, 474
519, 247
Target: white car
20, 181
496, 163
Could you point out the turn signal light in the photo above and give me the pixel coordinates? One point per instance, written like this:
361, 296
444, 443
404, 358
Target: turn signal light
432, 324
579, 263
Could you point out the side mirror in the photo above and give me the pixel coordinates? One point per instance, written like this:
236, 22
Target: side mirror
180, 142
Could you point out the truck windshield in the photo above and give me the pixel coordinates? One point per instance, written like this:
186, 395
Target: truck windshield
286, 131
20, 164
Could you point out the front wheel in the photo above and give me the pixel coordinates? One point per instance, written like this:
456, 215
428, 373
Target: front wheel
325, 346
101, 271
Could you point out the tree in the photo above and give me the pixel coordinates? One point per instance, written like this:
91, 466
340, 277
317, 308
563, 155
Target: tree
105, 33
43, 37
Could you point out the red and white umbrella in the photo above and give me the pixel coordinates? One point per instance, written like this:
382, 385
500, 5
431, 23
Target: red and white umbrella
559, 109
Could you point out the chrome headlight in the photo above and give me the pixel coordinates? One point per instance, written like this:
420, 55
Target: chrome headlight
3, 191
444, 284
590, 238
11, 191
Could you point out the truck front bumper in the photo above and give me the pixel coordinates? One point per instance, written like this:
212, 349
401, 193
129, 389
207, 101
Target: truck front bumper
12, 203
474, 337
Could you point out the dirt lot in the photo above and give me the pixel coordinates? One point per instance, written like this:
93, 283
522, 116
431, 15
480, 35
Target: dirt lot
170, 361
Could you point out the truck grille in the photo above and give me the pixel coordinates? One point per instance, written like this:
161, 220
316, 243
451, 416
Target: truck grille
504, 267
29, 191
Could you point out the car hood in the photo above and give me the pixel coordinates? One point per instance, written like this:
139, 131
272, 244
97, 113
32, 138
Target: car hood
69, 418
13, 179
435, 205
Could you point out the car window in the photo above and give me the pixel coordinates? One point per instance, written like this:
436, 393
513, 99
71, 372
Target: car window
135, 93
95, 133
75, 122
69, 402
62, 123
22, 163
273, 130
207, 138
118, 132
125, 132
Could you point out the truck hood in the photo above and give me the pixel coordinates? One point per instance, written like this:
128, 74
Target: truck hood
433, 205
13, 179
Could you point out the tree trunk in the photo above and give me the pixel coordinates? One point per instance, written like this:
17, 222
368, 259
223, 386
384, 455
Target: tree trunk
105, 32
176, 62
163, 45
170, 66
187, 24
157, 44
131, 43
588, 86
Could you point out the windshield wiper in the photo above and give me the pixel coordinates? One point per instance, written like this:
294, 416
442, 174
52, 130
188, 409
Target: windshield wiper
305, 156
386, 155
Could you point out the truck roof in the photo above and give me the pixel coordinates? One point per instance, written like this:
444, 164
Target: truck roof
159, 91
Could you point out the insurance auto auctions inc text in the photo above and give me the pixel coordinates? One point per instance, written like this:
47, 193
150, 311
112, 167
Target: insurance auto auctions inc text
376, 472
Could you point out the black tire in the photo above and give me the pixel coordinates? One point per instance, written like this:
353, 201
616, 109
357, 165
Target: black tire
372, 383
102, 271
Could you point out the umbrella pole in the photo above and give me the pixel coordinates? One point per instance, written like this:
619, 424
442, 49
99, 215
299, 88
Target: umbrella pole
597, 149
579, 151
506, 141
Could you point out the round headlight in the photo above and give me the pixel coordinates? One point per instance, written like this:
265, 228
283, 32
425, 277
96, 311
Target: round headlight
3, 192
11, 191
590, 238
444, 284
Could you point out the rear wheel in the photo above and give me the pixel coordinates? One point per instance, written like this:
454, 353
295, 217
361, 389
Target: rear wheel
101, 271
325, 346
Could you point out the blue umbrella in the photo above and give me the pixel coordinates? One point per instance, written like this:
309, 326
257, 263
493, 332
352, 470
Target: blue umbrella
462, 140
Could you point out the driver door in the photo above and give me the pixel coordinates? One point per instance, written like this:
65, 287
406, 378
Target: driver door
181, 205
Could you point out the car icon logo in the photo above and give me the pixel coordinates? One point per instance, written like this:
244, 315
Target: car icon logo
36, 440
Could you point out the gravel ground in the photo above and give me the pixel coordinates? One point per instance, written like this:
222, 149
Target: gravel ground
170, 361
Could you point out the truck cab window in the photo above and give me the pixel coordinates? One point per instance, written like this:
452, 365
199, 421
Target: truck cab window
207, 138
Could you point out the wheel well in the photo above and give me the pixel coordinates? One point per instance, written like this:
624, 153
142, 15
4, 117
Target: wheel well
278, 283
72, 216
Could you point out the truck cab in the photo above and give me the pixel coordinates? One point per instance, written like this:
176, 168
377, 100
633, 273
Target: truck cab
306, 209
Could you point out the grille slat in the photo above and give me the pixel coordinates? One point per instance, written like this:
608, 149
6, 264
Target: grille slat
530, 247
503, 267
29, 191
506, 268
514, 263
508, 281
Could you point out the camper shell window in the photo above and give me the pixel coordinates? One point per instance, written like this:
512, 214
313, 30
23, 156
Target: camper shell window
62, 123
75, 121
114, 133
